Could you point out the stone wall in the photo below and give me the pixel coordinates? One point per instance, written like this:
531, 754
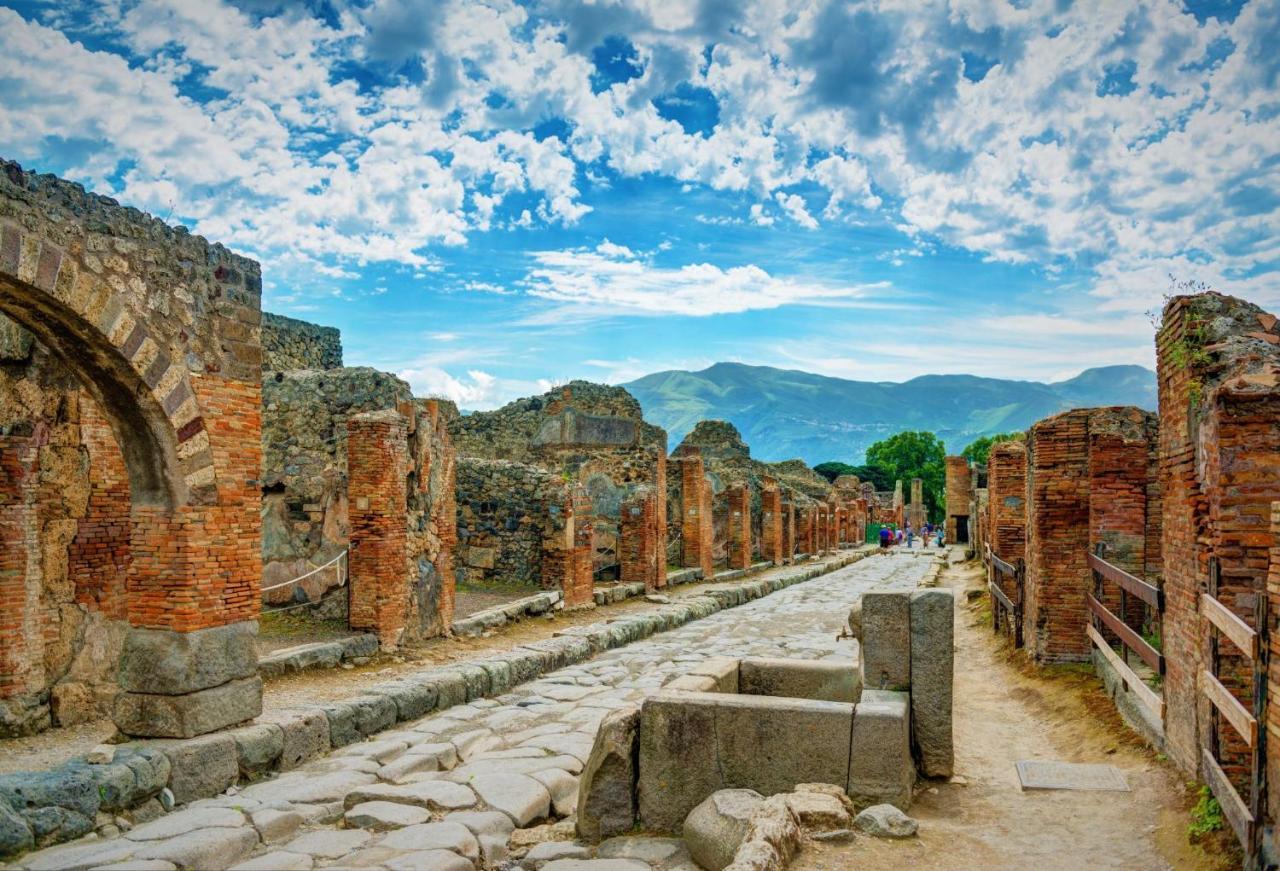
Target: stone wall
304, 472
291, 344
508, 516
1006, 500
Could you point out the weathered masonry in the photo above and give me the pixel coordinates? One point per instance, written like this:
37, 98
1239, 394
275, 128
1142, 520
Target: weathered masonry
130, 326
959, 485
1152, 545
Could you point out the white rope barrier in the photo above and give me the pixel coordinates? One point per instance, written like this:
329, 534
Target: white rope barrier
342, 579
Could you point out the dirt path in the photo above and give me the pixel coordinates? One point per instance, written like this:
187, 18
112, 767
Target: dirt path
1006, 711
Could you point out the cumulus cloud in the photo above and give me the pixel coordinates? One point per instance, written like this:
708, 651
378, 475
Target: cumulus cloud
618, 282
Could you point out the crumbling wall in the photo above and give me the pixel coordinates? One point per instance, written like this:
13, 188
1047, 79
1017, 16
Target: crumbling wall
959, 486
304, 472
292, 344
1007, 500
1218, 368
506, 517
1086, 484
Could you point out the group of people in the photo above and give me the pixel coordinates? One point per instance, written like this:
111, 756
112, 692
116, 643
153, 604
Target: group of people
906, 535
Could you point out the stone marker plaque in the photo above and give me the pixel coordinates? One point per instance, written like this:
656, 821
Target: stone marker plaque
1033, 774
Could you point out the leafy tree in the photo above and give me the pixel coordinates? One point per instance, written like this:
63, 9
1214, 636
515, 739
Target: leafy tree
874, 475
980, 449
914, 454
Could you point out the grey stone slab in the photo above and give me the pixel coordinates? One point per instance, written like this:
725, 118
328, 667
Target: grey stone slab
446, 835
305, 735
1038, 774
429, 860
154, 715
279, 860
800, 679
184, 821
305, 788
206, 848
258, 748
881, 769
163, 662
886, 640
328, 844
519, 797
382, 816
201, 767
932, 680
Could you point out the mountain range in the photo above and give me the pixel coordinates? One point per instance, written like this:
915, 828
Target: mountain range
783, 413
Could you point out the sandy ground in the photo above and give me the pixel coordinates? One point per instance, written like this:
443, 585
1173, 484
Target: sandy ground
1006, 711
55, 746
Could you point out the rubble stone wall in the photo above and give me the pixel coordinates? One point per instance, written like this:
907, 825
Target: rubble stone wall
508, 516
292, 344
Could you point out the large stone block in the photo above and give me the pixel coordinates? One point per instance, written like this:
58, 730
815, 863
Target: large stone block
163, 662
692, 744
932, 665
886, 640
800, 679
880, 766
201, 767
607, 788
306, 734
184, 716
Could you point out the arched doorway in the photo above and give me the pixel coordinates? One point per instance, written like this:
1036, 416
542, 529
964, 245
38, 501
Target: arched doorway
160, 329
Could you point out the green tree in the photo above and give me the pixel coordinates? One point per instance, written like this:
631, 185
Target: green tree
914, 454
980, 449
833, 469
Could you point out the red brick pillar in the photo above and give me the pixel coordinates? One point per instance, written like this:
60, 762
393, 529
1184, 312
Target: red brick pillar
739, 526
1006, 500
696, 528
19, 626
377, 468
580, 589
638, 540
958, 486
788, 530
771, 537
660, 518
1057, 575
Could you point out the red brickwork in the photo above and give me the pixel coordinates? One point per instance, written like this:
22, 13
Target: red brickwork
638, 541
579, 586
1219, 378
18, 472
772, 544
98, 560
696, 523
788, 530
377, 469
959, 486
1057, 576
739, 530
1006, 500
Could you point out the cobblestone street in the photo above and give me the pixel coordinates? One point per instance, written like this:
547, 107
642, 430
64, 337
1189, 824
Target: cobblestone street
455, 789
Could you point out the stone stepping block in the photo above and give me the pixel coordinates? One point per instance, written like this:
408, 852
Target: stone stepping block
383, 816
328, 844
519, 797
451, 836
436, 795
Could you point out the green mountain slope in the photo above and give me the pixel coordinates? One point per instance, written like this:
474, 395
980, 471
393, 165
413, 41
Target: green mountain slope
784, 413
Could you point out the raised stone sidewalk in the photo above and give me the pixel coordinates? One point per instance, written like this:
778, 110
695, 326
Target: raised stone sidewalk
470, 781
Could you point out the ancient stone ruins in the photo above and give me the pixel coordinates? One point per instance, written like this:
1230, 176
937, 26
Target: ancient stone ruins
177, 466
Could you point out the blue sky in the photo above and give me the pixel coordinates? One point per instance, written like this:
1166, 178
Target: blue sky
493, 197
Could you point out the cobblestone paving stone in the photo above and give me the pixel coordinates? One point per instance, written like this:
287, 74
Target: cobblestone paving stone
448, 791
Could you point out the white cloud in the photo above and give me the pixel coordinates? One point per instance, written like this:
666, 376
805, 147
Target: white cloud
598, 284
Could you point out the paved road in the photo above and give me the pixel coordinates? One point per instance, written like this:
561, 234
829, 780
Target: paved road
447, 791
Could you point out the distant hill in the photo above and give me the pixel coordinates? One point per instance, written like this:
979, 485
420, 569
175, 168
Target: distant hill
784, 413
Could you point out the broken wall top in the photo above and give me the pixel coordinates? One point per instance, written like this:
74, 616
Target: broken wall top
1231, 344
288, 343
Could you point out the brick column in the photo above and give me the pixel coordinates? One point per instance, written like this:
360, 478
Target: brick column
1058, 573
580, 587
638, 551
696, 528
788, 530
19, 594
739, 531
377, 466
771, 537
1006, 500
959, 485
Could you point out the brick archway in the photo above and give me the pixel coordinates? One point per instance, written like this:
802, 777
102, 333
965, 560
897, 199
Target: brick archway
162, 329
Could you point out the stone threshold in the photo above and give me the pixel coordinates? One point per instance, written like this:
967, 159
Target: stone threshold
151, 777
317, 654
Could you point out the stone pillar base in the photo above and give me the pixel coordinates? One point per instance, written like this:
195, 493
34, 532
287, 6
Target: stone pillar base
182, 684
145, 715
